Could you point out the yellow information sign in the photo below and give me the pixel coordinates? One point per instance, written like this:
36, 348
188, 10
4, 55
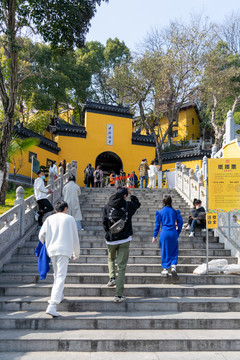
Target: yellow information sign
212, 220
224, 185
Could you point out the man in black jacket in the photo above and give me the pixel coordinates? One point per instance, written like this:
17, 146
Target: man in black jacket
118, 244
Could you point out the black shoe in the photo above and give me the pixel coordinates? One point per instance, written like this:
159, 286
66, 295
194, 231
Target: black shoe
174, 274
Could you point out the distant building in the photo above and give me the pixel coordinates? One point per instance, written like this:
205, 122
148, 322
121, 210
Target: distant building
107, 139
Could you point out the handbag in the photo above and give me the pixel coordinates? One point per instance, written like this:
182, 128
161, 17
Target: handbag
118, 226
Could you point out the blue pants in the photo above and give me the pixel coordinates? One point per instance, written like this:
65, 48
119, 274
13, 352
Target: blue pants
194, 225
145, 177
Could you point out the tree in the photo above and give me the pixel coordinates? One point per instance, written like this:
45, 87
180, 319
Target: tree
230, 32
63, 24
103, 62
165, 77
220, 86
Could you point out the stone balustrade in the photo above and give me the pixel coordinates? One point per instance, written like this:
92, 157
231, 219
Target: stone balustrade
187, 185
18, 223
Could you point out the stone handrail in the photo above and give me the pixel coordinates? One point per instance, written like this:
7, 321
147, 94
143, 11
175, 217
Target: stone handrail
188, 186
18, 223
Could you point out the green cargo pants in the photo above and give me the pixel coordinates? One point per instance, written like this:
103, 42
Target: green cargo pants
122, 252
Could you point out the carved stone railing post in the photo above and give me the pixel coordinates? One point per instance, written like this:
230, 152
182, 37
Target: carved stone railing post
177, 170
20, 201
196, 169
160, 179
184, 171
191, 177
204, 165
200, 183
51, 180
214, 151
74, 168
68, 169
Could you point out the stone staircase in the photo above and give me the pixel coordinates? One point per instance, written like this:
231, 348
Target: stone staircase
196, 317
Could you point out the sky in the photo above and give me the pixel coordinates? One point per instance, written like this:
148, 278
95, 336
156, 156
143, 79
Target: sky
131, 20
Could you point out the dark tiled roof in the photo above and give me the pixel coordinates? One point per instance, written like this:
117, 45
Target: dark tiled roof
187, 154
45, 143
65, 129
144, 140
107, 109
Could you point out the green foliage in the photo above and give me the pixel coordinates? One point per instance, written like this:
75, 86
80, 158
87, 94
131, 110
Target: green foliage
237, 117
11, 197
18, 146
39, 121
63, 24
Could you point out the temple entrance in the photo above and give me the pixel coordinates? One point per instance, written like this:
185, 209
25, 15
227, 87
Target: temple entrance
109, 161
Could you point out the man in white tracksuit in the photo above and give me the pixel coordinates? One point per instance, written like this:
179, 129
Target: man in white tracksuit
152, 175
59, 233
40, 193
71, 193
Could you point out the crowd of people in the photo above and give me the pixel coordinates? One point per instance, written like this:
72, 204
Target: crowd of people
147, 176
58, 234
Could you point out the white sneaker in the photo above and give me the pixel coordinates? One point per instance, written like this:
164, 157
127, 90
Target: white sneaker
204, 230
36, 216
119, 299
51, 310
191, 234
164, 272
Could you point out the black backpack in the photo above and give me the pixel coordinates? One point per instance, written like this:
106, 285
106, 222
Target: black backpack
118, 225
89, 172
97, 175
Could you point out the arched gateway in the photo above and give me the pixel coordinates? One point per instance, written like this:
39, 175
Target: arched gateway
109, 161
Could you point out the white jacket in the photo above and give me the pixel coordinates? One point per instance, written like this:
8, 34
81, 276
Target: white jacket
40, 192
71, 193
152, 170
59, 232
53, 170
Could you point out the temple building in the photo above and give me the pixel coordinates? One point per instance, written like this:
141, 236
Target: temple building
108, 139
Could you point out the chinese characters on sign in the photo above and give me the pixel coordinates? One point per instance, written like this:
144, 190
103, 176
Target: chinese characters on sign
224, 184
109, 134
212, 221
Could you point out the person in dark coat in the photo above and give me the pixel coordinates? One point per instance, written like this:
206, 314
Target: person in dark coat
168, 218
89, 178
118, 244
198, 218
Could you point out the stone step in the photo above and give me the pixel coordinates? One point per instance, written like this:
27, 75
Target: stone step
99, 259
137, 224
117, 340
131, 290
188, 244
138, 236
119, 321
103, 304
130, 278
148, 214
99, 268
103, 355
138, 252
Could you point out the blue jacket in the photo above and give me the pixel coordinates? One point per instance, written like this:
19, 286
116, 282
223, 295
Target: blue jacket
43, 260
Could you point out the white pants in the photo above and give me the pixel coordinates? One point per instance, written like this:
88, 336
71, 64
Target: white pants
152, 182
60, 266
